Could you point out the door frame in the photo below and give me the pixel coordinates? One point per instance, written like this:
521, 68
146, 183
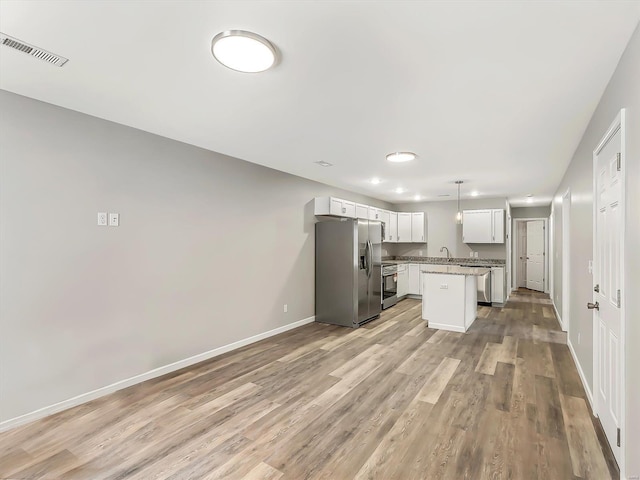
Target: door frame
565, 315
618, 124
514, 249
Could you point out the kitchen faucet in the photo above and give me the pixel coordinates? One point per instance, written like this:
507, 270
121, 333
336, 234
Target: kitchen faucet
448, 254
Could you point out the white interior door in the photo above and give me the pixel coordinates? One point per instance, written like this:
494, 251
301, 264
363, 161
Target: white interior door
607, 276
521, 246
535, 255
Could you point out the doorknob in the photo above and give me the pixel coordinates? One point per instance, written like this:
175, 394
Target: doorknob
592, 306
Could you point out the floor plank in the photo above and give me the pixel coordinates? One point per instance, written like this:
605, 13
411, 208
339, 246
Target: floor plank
394, 399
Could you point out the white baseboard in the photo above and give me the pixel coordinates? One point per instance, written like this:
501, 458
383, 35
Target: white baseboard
564, 329
156, 372
442, 326
581, 373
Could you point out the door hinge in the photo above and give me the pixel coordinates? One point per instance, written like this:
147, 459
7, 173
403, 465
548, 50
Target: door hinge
619, 161
618, 437
618, 298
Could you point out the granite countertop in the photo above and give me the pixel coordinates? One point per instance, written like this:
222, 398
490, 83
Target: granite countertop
454, 270
470, 262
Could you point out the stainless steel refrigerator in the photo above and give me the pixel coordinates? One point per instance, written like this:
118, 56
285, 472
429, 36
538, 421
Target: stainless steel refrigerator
348, 271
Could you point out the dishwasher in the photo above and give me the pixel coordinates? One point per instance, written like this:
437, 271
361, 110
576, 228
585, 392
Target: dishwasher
484, 288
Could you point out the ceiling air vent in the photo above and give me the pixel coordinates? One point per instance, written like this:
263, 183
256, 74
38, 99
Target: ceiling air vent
32, 50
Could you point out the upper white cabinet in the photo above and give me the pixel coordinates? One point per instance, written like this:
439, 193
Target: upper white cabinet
374, 213
483, 226
362, 211
498, 226
334, 206
392, 227
418, 227
404, 227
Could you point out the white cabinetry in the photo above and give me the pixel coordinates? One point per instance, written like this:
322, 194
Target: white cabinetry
334, 206
483, 226
362, 211
404, 227
497, 222
403, 280
414, 279
392, 228
418, 230
374, 213
497, 285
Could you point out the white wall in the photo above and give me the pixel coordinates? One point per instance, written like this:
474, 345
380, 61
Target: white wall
208, 250
623, 91
442, 230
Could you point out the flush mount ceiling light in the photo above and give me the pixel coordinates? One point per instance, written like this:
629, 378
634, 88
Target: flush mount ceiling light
399, 190
400, 157
417, 197
375, 181
243, 51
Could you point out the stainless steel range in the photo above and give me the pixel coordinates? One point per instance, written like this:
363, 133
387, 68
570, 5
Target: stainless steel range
389, 285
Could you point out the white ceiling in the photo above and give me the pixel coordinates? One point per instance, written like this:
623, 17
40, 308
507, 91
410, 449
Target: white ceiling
497, 94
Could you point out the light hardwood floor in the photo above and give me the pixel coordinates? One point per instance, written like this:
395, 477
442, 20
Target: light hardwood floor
391, 400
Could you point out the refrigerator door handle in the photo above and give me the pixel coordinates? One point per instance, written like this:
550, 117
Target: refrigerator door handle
370, 261
366, 258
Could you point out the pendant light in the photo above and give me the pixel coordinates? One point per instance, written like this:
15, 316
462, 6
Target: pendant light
459, 214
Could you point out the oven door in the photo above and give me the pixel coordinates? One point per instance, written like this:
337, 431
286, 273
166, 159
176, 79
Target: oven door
389, 290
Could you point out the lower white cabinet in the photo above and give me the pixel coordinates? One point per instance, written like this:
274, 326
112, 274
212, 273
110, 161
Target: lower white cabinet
414, 279
403, 281
497, 285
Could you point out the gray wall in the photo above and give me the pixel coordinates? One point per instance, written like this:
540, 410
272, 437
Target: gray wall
208, 250
442, 230
531, 212
623, 91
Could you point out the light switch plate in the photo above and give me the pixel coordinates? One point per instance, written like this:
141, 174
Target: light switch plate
475, 254
590, 266
114, 219
102, 219
470, 254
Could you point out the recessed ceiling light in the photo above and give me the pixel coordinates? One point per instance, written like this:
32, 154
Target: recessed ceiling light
399, 157
242, 51
474, 193
529, 200
322, 163
399, 190
375, 181
417, 197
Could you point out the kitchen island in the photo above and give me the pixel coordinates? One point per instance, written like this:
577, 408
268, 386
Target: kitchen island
449, 296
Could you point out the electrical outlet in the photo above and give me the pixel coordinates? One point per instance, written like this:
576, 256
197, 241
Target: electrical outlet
475, 254
102, 219
578, 338
420, 252
471, 254
285, 308
114, 219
